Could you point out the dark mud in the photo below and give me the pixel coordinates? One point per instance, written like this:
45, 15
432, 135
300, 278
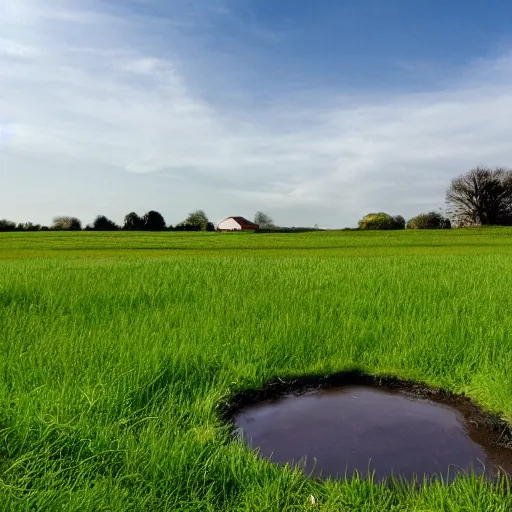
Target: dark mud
335, 425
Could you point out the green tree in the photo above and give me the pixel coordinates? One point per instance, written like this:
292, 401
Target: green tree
381, 221
101, 223
154, 221
132, 222
197, 220
28, 226
431, 220
7, 225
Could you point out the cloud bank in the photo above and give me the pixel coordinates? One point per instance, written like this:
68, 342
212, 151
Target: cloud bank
101, 113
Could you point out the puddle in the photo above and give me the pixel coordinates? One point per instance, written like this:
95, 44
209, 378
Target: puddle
333, 432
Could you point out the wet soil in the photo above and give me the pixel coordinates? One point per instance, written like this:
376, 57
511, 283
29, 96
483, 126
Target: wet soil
332, 426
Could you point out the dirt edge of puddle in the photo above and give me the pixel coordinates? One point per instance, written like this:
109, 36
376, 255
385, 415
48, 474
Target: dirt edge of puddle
480, 423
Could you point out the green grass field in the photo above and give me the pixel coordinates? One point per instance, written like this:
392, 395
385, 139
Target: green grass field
117, 349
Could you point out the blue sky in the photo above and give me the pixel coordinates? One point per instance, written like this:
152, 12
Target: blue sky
316, 112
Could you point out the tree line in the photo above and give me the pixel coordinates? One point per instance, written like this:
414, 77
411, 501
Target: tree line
481, 197
151, 221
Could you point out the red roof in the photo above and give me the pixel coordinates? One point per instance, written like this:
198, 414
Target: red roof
244, 223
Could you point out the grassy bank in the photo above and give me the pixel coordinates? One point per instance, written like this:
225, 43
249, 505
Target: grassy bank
117, 349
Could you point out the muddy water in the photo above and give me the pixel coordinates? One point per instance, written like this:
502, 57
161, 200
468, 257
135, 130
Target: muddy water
367, 429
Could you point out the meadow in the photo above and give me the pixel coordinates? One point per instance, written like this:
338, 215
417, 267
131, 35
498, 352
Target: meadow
117, 349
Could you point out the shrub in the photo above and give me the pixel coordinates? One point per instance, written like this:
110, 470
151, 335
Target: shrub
381, 220
431, 220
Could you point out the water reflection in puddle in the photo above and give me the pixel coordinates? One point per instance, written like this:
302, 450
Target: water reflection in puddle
361, 428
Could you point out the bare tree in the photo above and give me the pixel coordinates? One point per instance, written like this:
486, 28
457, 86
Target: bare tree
481, 197
264, 221
67, 224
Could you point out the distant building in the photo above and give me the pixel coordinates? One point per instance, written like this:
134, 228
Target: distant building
236, 224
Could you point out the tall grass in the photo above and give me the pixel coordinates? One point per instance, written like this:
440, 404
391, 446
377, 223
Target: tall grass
113, 366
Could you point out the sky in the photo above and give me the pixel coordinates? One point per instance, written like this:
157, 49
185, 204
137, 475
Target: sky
315, 112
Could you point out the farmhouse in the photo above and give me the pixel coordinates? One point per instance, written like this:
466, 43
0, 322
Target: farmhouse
236, 224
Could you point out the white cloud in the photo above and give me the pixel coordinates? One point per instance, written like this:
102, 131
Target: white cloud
91, 89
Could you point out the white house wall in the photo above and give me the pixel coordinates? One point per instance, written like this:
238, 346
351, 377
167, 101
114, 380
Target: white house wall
230, 224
